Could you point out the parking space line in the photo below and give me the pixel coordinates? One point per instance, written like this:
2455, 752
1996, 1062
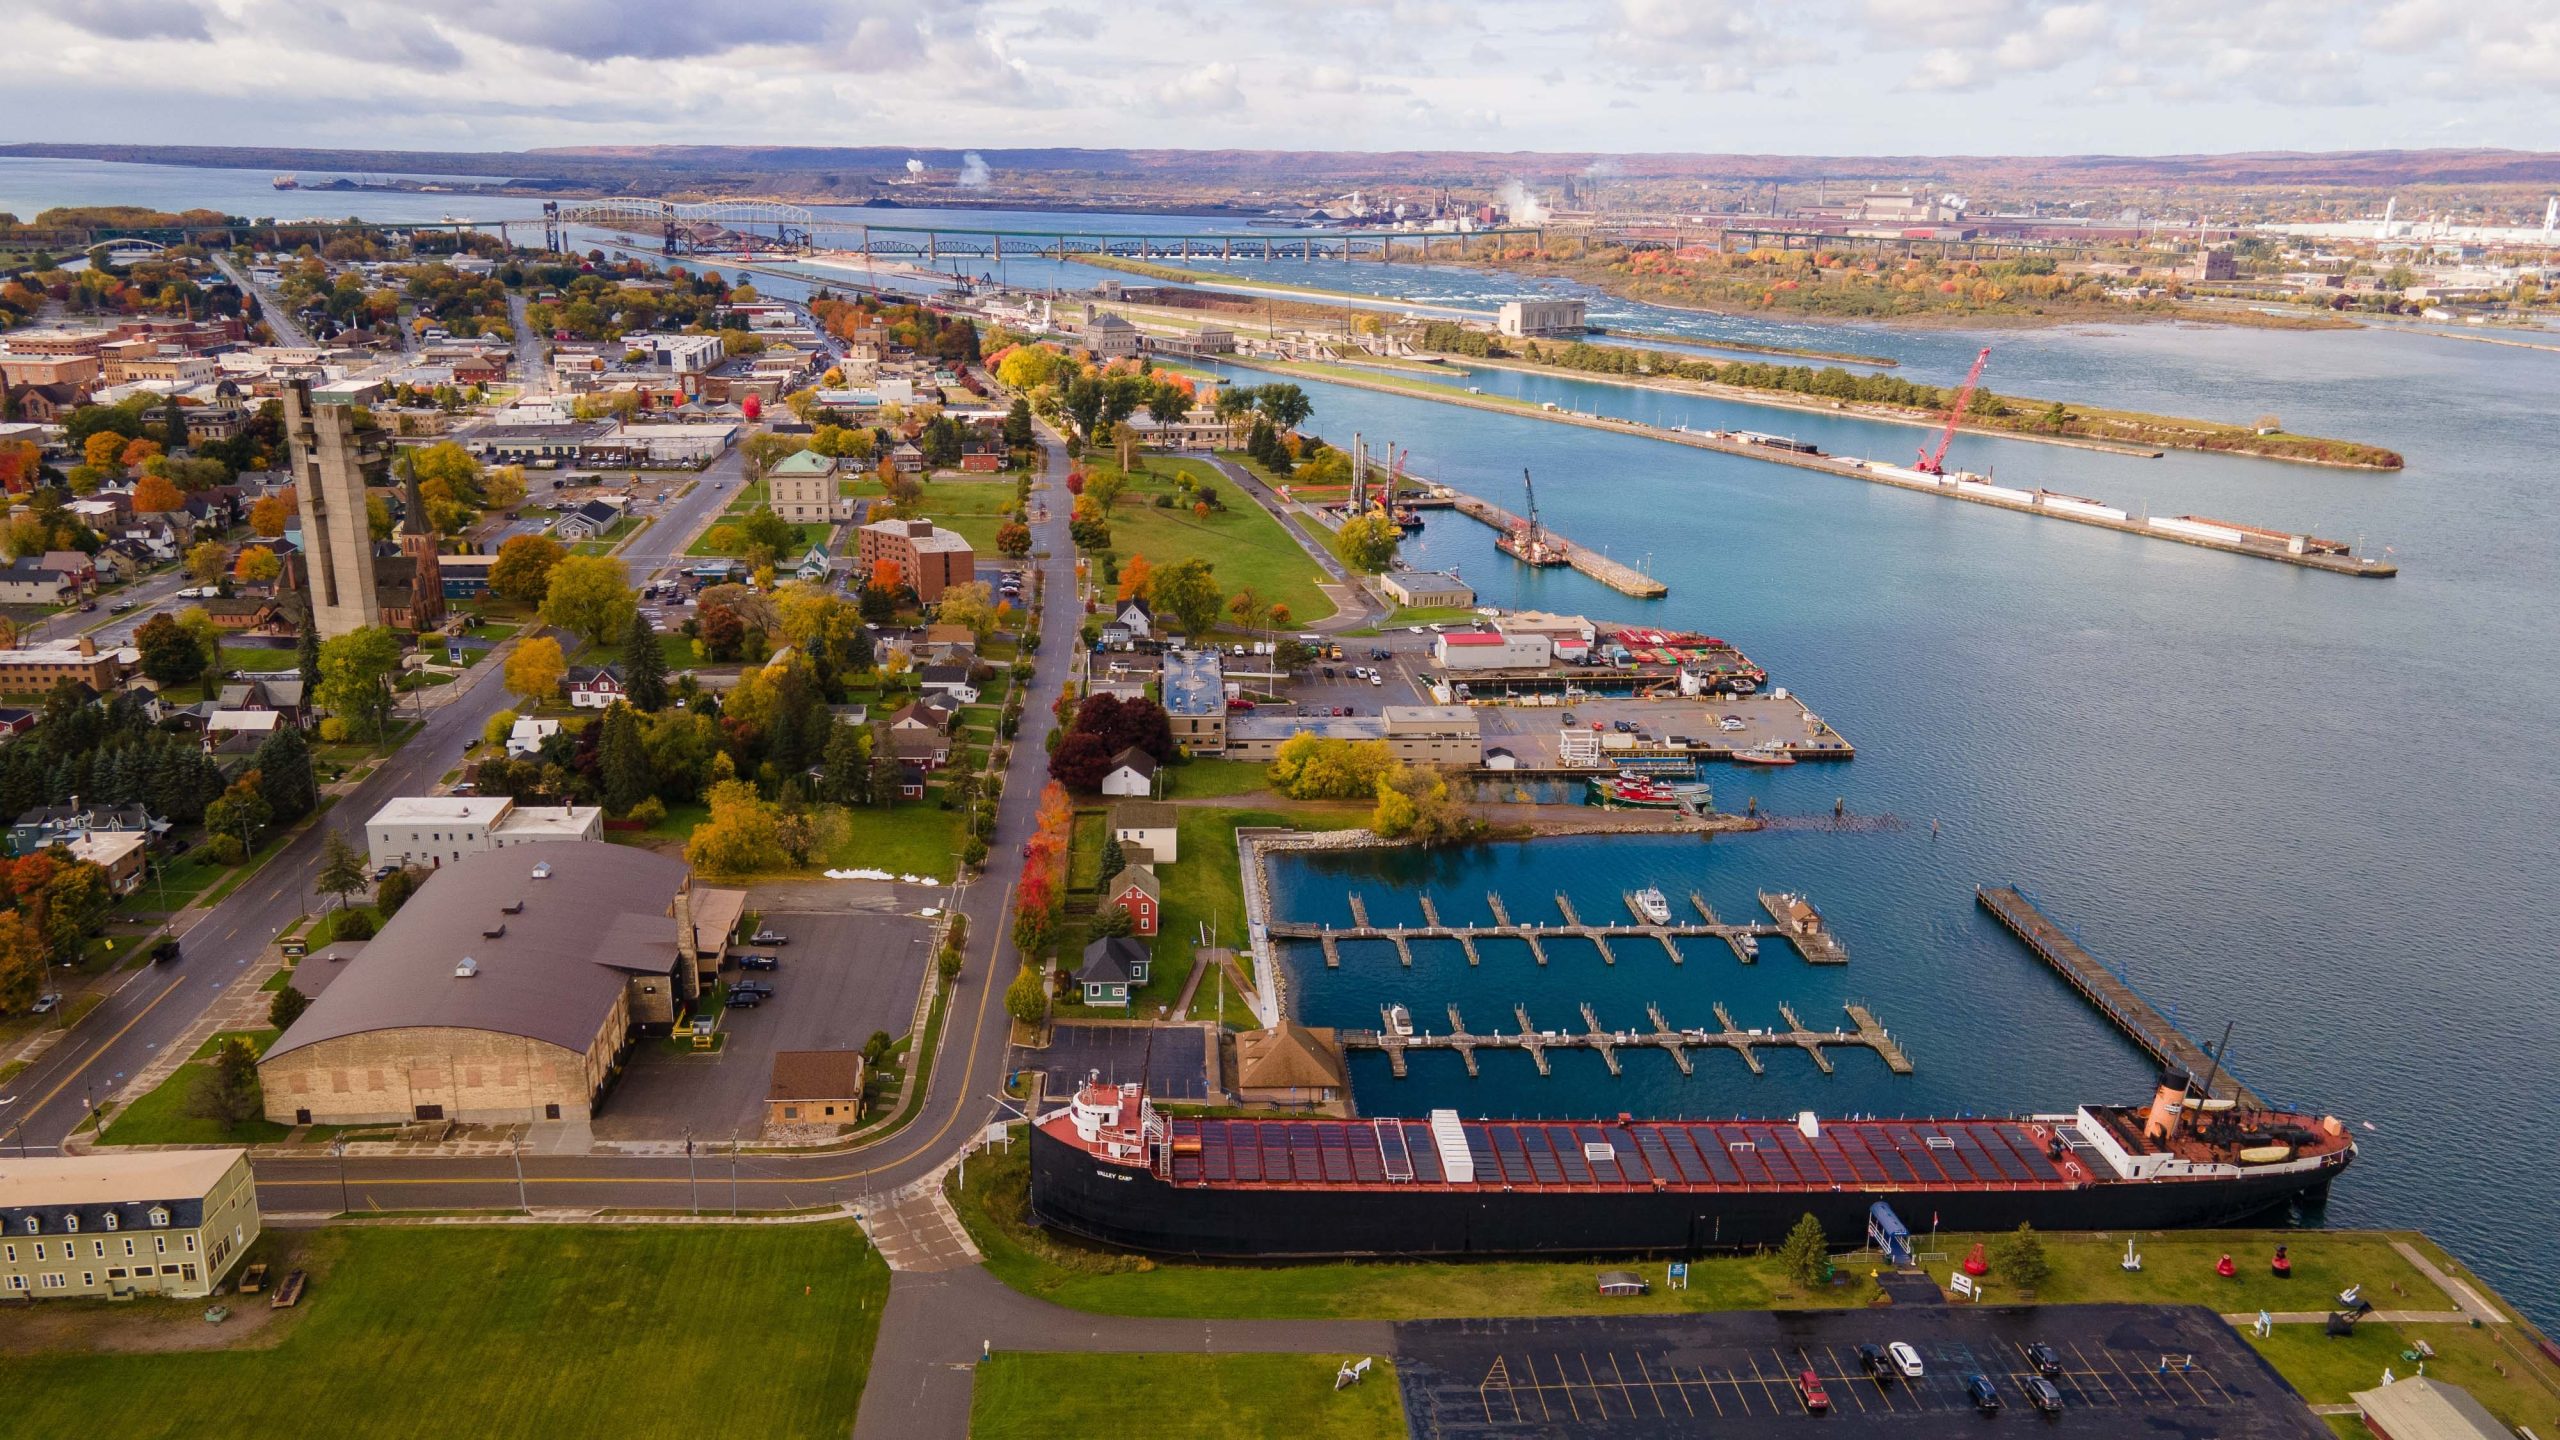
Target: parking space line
1570, 1403
1598, 1396
2091, 1371
2131, 1377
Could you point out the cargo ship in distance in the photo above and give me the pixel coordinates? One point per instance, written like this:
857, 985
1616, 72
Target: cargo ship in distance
1111, 1167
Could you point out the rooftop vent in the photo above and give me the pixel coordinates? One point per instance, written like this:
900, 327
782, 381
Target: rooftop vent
542, 871
466, 969
498, 934
515, 909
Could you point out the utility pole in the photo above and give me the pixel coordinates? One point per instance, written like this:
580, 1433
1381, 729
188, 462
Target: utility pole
515, 1152
693, 1181
733, 1179
336, 1147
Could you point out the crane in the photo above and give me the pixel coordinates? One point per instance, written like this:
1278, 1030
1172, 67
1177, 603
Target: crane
1932, 459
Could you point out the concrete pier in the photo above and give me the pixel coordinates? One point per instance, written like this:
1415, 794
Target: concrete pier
1626, 579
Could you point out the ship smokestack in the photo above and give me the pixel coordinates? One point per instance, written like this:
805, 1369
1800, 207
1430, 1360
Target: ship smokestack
2167, 1106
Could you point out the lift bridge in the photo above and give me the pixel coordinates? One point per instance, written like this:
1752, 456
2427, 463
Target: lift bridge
733, 226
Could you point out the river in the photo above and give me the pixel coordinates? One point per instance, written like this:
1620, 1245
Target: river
2320, 809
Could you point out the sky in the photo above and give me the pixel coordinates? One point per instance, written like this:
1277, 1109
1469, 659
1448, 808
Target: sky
1841, 77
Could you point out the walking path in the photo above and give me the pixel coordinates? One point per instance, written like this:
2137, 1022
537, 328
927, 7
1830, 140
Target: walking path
940, 1323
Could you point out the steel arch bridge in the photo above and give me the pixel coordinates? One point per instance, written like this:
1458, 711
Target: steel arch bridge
684, 229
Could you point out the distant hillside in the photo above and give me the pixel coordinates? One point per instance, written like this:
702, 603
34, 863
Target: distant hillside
854, 170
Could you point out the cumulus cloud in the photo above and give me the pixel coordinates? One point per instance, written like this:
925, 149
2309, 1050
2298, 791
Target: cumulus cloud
1058, 22
137, 19
1202, 90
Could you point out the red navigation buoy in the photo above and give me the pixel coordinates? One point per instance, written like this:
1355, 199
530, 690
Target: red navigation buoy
2224, 1268
1974, 1263
2282, 1264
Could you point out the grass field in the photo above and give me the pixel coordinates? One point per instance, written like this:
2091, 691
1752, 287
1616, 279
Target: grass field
1243, 543
975, 509
1023, 1396
548, 1333
1209, 778
1206, 890
2517, 1387
912, 837
159, 1116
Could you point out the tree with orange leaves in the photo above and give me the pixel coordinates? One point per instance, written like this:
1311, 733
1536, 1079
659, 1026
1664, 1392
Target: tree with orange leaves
137, 451
153, 494
1134, 578
269, 515
101, 451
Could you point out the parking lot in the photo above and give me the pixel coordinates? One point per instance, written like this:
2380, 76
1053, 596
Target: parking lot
2149, 1369
1531, 731
1172, 1060
842, 977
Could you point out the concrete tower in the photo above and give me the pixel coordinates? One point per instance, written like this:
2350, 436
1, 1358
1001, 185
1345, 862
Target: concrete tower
337, 541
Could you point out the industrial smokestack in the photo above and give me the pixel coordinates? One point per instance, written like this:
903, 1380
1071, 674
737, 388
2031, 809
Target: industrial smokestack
2168, 1106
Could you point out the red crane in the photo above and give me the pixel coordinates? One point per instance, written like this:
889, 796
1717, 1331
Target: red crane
1932, 459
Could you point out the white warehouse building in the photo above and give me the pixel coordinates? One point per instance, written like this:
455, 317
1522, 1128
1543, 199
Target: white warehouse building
432, 830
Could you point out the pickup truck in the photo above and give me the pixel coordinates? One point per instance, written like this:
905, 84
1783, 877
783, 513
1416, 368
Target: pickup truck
767, 937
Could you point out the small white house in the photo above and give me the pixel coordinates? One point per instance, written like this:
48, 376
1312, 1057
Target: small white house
1132, 775
1134, 617
527, 736
594, 687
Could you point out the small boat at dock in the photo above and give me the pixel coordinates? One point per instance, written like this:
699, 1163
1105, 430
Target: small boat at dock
1653, 905
1763, 755
1641, 792
1399, 1021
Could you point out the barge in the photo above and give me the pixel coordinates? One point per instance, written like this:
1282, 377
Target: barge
1110, 1167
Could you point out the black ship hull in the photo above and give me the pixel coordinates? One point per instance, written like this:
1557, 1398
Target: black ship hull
1076, 1193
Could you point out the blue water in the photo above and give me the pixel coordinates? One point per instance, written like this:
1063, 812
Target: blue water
2316, 807
2320, 808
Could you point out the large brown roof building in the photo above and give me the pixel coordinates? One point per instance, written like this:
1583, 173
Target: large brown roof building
929, 558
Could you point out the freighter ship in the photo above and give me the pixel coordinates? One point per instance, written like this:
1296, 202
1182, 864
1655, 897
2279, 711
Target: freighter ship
1111, 1167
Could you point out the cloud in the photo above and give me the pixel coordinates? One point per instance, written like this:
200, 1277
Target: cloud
1058, 22
1332, 80
1945, 70
1202, 90
379, 36
137, 19
875, 34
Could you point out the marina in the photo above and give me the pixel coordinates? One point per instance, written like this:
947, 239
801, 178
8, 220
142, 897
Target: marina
1398, 1040
1792, 919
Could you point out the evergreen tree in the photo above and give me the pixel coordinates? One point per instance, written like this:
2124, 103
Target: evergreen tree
846, 778
624, 759
287, 1007
285, 780
227, 1092
307, 655
1113, 861
644, 666
2019, 1258
173, 425
1805, 1256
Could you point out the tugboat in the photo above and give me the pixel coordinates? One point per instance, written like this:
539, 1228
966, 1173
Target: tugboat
287, 182
1653, 905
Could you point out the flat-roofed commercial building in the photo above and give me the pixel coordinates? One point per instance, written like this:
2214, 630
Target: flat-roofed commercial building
1489, 650
434, 830
506, 990
1195, 700
170, 1222
1427, 589
1543, 317
1444, 735
929, 559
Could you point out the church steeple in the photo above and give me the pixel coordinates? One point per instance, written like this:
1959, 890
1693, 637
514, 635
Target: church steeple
415, 521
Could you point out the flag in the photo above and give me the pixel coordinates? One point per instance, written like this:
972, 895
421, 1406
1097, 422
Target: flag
1933, 1219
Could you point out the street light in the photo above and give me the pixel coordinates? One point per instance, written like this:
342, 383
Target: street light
339, 1149
693, 1181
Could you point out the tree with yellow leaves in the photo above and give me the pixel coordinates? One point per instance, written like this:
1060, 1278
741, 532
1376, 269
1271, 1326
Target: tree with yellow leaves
534, 670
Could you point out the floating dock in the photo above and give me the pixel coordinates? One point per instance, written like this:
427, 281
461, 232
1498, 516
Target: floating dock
1864, 1032
1626, 579
1811, 938
2118, 1001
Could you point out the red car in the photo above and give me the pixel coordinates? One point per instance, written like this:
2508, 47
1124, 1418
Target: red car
1809, 1390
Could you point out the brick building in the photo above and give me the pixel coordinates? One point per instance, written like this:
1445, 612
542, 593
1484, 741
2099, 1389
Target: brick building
106, 1226
929, 559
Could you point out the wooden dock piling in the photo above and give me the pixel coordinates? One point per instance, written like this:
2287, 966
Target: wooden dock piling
2119, 1002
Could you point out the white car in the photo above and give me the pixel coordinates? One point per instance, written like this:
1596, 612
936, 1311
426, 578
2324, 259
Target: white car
1377, 679
1905, 1359
1416, 629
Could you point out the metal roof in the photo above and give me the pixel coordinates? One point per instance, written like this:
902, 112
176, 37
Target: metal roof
601, 915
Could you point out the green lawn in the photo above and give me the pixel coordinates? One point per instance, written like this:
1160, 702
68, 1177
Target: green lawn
1084, 850
1217, 777
912, 837
976, 509
1205, 889
159, 1116
1021, 1396
1111, 1282
1243, 543
546, 1333
2517, 1387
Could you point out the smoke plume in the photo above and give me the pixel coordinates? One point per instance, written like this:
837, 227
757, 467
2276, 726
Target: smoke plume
1524, 207
974, 174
